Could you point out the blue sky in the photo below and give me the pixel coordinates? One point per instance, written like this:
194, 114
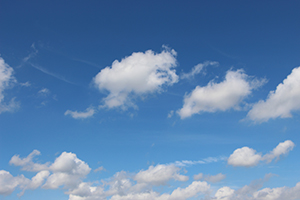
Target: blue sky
154, 100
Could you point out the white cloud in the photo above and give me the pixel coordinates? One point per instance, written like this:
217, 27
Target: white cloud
185, 163
210, 178
27, 163
67, 170
99, 169
224, 193
197, 69
9, 183
281, 102
170, 113
247, 157
219, 96
136, 75
159, 175
194, 189
6, 81
44, 92
89, 112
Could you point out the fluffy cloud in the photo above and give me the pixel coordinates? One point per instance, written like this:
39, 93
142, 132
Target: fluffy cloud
247, 157
281, 102
159, 175
27, 164
89, 112
197, 69
67, 170
219, 96
136, 75
197, 187
210, 178
6, 80
8, 183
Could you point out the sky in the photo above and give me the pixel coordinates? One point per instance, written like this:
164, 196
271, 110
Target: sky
149, 100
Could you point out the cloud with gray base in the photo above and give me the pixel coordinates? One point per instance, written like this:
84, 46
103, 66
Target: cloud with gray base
281, 102
213, 97
6, 81
137, 75
248, 157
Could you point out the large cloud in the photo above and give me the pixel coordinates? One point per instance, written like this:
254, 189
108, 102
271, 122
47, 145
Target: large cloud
247, 157
6, 80
136, 75
219, 96
281, 102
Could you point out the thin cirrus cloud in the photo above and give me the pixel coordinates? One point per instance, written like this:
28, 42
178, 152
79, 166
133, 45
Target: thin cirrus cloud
136, 76
220, 96
89, 112
248, 157
281, 102
67, 173
6, 81
198, 69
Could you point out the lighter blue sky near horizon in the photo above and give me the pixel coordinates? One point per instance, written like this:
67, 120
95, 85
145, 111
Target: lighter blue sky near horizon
149, 100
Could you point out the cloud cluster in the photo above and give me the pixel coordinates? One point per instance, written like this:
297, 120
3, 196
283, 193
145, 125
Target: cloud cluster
220, 96
248, 157
281, 102
6, 81
68, 171
136, 75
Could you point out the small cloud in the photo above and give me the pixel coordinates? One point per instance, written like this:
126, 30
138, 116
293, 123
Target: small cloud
247, 157
26, 84
99, 169
170, 113
198, 69
44, 92
89, 112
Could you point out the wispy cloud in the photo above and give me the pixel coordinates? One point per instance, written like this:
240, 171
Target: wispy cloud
198, 69
89, 112
44, 70
186, 163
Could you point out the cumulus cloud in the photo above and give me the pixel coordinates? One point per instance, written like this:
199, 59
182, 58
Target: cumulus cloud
248, 157
27, 164
220, 96
210, 178
135, 76
6, 81
159, 175
8, 183
68, 170
198, 69
281, 102
89, 112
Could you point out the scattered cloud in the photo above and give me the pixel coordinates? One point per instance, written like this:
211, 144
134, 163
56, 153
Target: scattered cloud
281, 102
26, 84
248, 157
170, 113
159, 175
198, 69
69, 171
6, 81
99, 169
136, 76
210, 178
185, 163
44, 92
27, 164
220, 96
89, 112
